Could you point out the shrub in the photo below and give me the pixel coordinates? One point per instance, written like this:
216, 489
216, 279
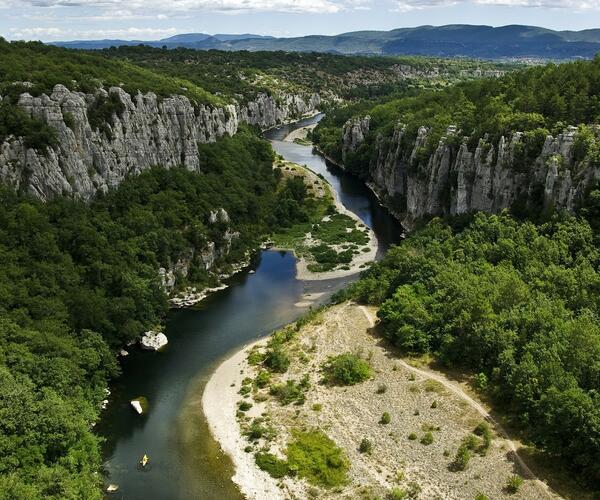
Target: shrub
513, 484
258, 430
244, 406
381, 389
346, 369
365, 446
288, 392
262, 379
412, 436
277, 360
317, 459
483, 430
268, 462
317, 407
255, 357
385, 418
481, 496
427, 438
461, 460
480, 381
398, 494
434, 404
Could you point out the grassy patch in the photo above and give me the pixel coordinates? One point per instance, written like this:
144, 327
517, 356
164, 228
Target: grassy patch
316, 458
268, 462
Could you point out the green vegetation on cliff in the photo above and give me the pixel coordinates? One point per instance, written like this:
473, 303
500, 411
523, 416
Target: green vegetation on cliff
516, 303
537, 101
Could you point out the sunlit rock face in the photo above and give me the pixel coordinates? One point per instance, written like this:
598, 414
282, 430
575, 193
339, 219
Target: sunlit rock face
149, 131
454, 179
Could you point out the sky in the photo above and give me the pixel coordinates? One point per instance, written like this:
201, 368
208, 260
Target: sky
52, 20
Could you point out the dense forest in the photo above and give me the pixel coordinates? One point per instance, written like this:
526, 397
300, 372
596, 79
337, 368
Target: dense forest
537, 101
215, 77
79, 280
515, 304
348, 77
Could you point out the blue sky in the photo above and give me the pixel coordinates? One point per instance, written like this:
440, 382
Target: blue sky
49, 20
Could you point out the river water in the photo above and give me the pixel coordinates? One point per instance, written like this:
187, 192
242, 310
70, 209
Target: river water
185, 462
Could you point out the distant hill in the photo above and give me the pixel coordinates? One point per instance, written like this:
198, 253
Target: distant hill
201, 41
453, 40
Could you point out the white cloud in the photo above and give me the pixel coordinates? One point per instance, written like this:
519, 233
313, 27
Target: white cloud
301, 6
576, 5
35, 33
551, 4
64, 34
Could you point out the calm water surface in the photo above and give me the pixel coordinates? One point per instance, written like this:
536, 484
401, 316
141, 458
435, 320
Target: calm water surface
185, 461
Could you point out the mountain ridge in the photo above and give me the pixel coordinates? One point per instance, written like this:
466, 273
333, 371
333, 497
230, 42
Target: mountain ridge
452, 40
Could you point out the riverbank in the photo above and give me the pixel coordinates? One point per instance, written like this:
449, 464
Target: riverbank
356, 239
219, 404
300, 135
413, 450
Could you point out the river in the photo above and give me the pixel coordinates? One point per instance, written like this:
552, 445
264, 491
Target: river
186, 463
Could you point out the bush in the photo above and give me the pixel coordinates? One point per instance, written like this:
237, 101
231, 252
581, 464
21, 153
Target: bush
244, 406
289, 392
316, 458
277, 360
381, 389
365, 446
483, 430
256, 357
481, 381
398, 494
258, 430
262, 379
461, 460
385, 418
413, 436
346, 369
514, 484
427, 438
268, 462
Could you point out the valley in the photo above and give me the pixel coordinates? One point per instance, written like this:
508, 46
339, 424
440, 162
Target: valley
378, 275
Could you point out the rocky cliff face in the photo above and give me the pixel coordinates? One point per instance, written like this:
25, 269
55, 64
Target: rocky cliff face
150, 131
454, 180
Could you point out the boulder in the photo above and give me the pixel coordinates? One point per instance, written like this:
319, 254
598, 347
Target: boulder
139, 404
153, 341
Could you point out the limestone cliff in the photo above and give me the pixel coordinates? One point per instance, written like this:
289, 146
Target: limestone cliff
454, 179
149, 131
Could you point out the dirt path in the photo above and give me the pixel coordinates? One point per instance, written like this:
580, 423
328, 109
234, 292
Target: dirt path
457, 390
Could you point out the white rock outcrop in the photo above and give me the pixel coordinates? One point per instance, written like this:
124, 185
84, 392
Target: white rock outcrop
149, 131
153, 341
454, 179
